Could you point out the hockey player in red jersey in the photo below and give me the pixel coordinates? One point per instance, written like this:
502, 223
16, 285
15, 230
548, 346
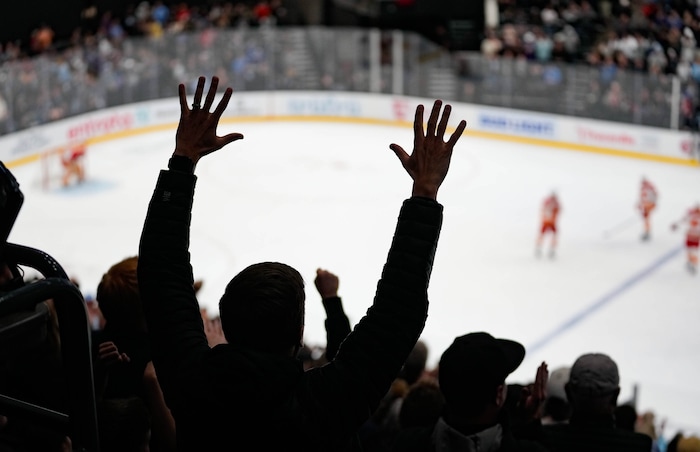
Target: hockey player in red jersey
73, 165
550, 212
692, 236
647, 203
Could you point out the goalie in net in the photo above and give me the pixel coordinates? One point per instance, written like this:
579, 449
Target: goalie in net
64, 165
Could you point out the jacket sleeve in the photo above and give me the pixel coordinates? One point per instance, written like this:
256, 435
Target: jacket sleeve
166, 281
337, 325
373, 353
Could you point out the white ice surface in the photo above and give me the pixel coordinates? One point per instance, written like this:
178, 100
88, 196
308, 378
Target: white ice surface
327, 195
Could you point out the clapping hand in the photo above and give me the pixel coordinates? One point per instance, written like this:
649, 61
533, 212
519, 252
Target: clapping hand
533, 395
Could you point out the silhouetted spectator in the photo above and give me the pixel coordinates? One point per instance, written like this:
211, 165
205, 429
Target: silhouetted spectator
592, 390
471, 374
378, 433
625, 417
123, 367
422, 405
252, 393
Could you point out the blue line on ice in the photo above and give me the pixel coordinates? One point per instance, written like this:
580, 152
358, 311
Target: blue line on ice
602, 301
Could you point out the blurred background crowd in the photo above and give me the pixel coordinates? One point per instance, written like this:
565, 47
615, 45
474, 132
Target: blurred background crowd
631, 61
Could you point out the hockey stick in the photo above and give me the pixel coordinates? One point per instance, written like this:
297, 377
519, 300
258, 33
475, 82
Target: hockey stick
608, 233
676, 225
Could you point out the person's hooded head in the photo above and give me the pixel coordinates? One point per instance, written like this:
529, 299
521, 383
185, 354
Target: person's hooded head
263, 309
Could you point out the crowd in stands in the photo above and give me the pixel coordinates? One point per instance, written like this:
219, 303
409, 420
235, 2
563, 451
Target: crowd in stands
642, 35
167, 376
647, 35
151, 19
653, 37
657, 36
610, 37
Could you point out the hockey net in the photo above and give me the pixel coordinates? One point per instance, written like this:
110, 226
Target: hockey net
62, 166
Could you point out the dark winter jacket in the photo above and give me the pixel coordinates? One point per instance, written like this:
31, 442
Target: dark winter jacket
232, 398
600, 435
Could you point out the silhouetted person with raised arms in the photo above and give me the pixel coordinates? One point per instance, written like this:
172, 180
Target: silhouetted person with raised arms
252, 393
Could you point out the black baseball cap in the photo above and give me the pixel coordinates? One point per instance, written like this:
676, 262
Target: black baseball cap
477, 360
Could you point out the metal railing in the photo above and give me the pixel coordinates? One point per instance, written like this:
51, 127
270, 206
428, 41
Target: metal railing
104, 74
79, 421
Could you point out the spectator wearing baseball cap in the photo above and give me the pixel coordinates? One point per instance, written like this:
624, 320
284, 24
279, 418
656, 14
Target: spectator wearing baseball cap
471, 375
592, 391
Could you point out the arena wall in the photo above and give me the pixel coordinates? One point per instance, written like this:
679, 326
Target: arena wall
566, 133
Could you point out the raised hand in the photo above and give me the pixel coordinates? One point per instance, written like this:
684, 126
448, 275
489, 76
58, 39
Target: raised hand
533, 396
214, 332
430, 160
326, 283
196, 132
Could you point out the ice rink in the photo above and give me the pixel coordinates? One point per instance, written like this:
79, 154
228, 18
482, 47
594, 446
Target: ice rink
328, 194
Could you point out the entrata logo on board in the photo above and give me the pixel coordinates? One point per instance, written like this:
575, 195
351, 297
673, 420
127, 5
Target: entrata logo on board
400, 108
101, 125
687, 146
